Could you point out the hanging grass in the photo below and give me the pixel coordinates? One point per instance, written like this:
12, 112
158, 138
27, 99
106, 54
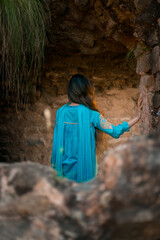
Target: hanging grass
131, 59
22, 40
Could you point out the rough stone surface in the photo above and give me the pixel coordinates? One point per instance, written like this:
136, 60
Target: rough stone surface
157, 83
142, 5
143, 64
155, 59
122, 202
148, 81
102, 24
112, 28
147, 85
123, 23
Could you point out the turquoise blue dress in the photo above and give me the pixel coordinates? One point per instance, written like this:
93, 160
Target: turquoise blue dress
71, 131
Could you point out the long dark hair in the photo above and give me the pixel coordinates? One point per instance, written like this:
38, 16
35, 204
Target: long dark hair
82, 91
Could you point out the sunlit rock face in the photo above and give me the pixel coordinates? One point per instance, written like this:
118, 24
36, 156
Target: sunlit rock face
121, 203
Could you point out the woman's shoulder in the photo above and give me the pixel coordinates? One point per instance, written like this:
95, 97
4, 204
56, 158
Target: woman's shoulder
80, 106
92, 113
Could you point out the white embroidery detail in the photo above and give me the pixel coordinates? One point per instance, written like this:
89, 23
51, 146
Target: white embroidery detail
104, 123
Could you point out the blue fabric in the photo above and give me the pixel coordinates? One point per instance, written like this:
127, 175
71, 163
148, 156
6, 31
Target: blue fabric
73, 152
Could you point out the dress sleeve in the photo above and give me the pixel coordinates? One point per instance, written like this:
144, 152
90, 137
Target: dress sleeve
115, 131
53, 156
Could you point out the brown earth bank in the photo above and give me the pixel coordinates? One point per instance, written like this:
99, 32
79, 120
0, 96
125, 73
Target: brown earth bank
122, 202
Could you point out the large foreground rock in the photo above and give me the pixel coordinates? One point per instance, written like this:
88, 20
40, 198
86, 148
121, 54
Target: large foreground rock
123, 202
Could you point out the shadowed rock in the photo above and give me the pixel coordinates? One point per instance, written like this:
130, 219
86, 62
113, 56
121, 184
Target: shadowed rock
121, 203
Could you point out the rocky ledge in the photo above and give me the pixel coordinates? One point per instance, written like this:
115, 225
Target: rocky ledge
123, 202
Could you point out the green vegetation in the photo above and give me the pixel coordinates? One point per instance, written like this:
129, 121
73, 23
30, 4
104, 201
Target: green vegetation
22, 40
131, 59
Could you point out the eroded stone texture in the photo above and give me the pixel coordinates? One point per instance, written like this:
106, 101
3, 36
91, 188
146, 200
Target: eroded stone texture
113, 28
155, 60
143, 64
86, 26
121, 203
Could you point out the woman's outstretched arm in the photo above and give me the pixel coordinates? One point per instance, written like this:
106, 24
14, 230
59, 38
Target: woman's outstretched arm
115, 131
133, 121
